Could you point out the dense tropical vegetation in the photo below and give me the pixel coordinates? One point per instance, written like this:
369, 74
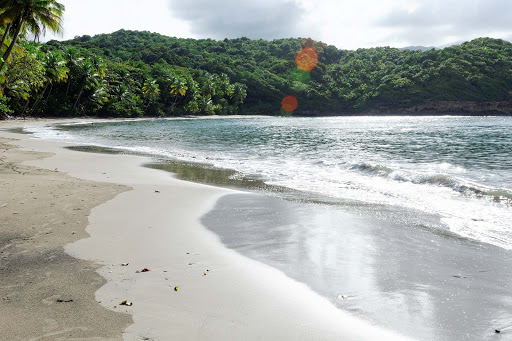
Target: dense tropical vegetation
129, 73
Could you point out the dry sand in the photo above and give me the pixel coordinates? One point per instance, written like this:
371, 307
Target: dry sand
237, 299
40, 212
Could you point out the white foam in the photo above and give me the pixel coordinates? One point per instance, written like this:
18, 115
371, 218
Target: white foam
436, 188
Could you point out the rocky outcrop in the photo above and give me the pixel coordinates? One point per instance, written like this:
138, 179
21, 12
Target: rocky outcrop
405, 107
448, 108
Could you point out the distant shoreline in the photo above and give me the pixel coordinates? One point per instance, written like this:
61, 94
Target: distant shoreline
297, 114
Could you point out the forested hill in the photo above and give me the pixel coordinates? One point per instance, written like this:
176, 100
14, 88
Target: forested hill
263, 72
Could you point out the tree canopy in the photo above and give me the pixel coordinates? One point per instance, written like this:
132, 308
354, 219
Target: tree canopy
131, 73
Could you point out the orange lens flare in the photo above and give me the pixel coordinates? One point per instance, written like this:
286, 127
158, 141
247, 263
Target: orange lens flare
306, 59
289, 103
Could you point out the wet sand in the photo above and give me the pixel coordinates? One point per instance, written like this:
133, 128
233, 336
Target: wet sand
426, 284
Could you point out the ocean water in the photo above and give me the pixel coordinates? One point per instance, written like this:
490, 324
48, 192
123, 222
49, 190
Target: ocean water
440, 173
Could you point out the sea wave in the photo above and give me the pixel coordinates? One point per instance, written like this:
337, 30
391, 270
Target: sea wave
462, 186
470, 201
372, 169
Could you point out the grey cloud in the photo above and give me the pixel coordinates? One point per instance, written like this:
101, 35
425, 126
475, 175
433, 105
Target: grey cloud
255, 19
461, 19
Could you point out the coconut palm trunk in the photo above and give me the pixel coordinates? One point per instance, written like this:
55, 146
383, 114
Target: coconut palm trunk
39, 99
25, 109
69, 85
78, 99
50, 92
18, 24
6, 33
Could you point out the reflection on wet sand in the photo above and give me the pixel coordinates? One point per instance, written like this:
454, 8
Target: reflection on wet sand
424, 285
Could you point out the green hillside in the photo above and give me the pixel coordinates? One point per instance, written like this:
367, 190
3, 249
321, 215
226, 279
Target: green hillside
129, 73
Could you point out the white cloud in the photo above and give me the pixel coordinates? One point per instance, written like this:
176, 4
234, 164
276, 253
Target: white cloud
436, 21
267, 19
105, 16
352, 24
344, 23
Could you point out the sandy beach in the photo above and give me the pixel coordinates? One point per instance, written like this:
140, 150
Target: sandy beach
196, 289
45, 293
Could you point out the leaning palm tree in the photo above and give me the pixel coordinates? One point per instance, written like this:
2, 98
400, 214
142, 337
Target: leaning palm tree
5, 33
55, 66
36, 16
55, 72
89, 79
6, 42
73, 62
99, 97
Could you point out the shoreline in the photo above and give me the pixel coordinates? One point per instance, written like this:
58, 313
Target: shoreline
400, 112
237, 298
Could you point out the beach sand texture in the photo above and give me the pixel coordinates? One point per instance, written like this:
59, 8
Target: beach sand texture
40, 212
237, 299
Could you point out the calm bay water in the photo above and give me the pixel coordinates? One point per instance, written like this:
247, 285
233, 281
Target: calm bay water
409, 169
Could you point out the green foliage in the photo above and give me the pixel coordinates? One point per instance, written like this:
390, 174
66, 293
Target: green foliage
130, 74
4, 106
25, 74
20, 17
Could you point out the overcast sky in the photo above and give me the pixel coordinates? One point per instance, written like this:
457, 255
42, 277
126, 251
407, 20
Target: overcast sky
344, 23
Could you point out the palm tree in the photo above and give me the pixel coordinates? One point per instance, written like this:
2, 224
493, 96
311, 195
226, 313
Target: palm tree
205, 104
224, 86
97, 62
178, 87
4, 45
193, 88
119, 92
73, 62
56, 71
99, 97
208, 81
6, 33
239, 93
36, 16
23, 76
88, 79
55, 66
151, 90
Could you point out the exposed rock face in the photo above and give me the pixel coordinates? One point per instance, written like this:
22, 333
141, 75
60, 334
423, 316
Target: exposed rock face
449, 107
427, 108
3, 116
